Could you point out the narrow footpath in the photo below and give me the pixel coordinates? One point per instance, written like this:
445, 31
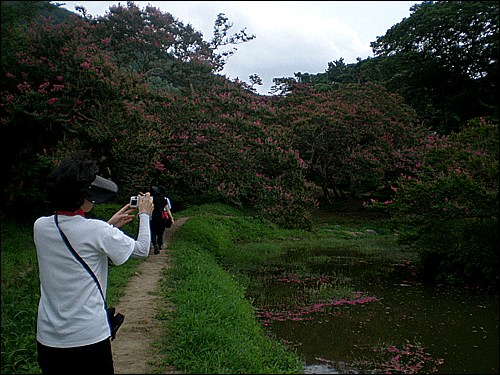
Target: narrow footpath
132, 352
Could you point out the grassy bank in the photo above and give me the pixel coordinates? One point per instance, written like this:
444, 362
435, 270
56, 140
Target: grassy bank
213, 327
19, 298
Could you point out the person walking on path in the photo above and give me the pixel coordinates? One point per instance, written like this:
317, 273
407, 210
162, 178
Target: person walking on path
161, 218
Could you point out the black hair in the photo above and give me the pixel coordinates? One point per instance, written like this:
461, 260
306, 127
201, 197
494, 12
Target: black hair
68, 181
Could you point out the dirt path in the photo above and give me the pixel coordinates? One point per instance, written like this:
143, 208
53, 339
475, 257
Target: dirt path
132, 346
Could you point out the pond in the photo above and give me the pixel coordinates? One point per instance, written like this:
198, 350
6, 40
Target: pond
346, 312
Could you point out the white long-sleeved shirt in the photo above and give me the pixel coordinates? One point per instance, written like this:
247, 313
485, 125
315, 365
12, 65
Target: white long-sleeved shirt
71, 310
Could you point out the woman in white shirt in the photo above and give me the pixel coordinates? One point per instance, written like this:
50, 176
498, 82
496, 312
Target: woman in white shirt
73, 330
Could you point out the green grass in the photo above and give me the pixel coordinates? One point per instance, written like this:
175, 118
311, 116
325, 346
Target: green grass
212, 209
213, 327
19, 298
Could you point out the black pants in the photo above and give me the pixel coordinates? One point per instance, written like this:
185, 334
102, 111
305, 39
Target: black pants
90, 359
157, 229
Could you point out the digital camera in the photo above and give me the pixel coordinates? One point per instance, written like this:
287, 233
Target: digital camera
134, 201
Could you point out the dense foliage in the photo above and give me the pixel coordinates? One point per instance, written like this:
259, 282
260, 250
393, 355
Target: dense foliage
449, 207
139, 88
355, 139
67, 93
161, 48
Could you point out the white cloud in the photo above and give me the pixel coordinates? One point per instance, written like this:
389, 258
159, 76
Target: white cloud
289, 41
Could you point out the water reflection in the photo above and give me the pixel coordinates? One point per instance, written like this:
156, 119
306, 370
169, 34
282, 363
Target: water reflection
457, 325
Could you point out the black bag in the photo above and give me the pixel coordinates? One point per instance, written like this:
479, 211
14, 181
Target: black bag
168, 223
115, 319
167, 220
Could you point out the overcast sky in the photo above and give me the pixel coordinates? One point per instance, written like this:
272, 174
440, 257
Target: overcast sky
291, 36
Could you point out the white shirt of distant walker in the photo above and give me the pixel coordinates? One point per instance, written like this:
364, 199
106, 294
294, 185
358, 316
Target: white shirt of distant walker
71, 310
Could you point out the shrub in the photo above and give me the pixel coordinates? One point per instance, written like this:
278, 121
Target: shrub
356, 138
452, 198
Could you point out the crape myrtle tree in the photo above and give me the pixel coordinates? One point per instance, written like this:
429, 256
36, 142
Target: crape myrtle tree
67, 92
221, 146
448, 210
357, 139
54, 97
64, 90
210, 152
162, 48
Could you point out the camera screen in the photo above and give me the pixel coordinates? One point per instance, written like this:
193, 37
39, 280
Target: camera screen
134, 201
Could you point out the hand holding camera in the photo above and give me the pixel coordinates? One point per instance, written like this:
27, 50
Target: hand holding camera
144, 202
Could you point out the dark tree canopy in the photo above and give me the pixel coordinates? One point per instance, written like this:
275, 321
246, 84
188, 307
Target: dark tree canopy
461, 36
443, 60
449, 51
167, 51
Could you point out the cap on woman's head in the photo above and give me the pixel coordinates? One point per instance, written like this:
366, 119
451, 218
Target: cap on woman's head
100, 190
74, 179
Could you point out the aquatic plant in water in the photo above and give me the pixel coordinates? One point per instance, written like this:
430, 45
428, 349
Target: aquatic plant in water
389, 359
296, 298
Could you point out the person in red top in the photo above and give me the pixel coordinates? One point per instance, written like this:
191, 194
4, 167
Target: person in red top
158, 220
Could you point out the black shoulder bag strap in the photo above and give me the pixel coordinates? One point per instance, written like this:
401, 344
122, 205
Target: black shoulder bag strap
114, 321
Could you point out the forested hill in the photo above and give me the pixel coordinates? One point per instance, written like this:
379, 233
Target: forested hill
23, 11
140, 91
141, 73
443, 59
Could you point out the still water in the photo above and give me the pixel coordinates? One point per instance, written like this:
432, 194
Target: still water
385, 320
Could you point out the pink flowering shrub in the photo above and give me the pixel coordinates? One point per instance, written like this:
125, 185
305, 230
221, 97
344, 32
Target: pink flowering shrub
216, 147
355, 139
67, 93
51, 99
